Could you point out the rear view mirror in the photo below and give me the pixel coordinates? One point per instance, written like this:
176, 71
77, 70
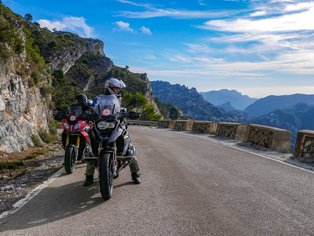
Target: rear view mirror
133, 115
131, 103
60, 115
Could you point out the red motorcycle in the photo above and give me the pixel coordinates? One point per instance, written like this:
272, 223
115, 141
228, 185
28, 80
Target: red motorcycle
75, 138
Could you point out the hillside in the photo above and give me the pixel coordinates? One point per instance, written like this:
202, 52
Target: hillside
189, 101
235, 98
271, 103
42, 70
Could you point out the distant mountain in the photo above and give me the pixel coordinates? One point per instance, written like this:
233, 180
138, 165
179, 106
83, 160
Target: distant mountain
189, 101
271, 103
227, 107
236, 99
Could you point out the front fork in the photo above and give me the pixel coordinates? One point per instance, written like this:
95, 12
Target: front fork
112, 149
78, 140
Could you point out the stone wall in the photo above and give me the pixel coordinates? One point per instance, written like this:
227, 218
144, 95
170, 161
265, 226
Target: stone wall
201, 126
213, 128
269, 137
226, 129
183, 125
304, 147
258, 135
163, 124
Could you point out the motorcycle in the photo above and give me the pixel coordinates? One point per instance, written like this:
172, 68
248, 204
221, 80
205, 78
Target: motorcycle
74, 137
114, 148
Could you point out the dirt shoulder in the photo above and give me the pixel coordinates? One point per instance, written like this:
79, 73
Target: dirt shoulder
21, 172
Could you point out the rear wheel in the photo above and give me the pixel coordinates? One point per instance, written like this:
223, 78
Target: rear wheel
69, 159
105, 175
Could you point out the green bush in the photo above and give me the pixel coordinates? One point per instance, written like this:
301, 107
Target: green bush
47, 137
9, 37
36, 140
34, 57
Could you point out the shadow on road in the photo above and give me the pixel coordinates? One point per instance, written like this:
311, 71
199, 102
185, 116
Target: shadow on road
54, 203
123, 184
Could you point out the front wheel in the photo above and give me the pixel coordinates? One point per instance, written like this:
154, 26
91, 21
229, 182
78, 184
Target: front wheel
69, 159
105, 175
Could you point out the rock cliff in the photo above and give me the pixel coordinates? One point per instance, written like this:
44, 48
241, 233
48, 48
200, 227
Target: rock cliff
23, 110
41, 70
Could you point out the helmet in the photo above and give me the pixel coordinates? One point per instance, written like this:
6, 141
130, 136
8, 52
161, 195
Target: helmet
82, 100
113, 86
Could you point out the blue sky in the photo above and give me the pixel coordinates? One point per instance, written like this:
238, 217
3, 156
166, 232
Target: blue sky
258, 47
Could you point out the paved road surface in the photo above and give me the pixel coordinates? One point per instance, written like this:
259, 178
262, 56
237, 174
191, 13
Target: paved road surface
190, 186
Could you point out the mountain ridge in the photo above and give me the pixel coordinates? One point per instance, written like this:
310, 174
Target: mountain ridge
189, 101
273, 102
220, 97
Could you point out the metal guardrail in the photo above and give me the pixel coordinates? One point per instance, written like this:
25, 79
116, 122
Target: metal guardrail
142, 122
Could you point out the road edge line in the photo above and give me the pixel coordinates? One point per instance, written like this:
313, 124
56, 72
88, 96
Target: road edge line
19, 204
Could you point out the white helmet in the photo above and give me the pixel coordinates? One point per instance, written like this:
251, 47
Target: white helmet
113, 86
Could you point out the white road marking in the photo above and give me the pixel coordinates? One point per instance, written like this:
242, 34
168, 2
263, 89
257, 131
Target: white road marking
32, 194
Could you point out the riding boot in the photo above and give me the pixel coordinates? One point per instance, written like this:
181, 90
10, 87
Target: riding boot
136, 178
89, 180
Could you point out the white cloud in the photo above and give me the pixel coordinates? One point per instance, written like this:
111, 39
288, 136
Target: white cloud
152, 12
73, 24
123, 26
179, 58
290, 22
258, 13
151, 57
146, 30
201, 3
299, 6
173, 13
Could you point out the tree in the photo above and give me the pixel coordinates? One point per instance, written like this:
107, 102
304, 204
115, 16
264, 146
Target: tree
28, 17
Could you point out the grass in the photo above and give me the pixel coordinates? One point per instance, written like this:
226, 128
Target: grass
11, 165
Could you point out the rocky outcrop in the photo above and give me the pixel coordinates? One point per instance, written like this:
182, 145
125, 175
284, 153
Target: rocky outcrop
23, 111
189, 101
37, 66
66, 58
149, 94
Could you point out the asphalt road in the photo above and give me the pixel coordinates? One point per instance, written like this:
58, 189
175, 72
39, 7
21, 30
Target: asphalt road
190, 186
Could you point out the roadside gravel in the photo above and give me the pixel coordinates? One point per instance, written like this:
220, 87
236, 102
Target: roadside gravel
35, 172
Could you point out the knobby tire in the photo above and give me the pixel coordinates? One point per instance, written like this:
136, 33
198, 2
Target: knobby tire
105, 176
69, 159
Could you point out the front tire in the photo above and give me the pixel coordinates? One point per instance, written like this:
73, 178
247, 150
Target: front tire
69, 159
105, 175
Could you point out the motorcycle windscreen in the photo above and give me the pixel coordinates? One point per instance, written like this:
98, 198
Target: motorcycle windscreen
107, 102
75, 110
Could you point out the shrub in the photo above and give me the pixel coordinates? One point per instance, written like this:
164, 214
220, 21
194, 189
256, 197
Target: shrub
36, 140
47, 137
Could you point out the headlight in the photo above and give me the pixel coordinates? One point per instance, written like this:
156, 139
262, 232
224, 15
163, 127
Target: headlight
72, 118
102, 125
77, 126
66, 125
106, 112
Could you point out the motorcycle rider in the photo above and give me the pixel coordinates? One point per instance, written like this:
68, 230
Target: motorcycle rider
113, 86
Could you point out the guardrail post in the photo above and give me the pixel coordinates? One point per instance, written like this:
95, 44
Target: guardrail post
183, 125
270, 137
304, 146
